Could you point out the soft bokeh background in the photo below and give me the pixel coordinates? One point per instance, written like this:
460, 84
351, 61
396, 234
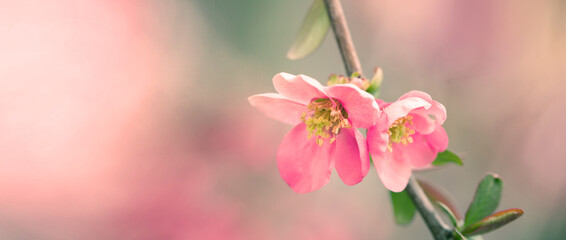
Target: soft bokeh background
129, 119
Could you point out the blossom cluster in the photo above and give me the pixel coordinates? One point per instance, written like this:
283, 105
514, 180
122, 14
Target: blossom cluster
401, 136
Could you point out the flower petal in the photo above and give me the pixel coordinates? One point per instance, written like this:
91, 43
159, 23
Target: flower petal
438, 140
422, 123
418, 94
437, 109
402, 107
418, 153
377, 136
382, 104
361, 106
299, 88
302, 163
351, 156
393, 170
278, 107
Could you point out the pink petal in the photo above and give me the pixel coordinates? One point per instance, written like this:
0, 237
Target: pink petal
393, 170
361, 106
351, 156
401, 108
278, 107
302, 163
377, 136
382, 104
418, 94
438, 140
437, 109
439, 112
299, 88
422, 124
418, 153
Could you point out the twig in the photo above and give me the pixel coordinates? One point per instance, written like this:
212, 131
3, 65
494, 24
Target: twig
343, 37
436, 225
439, 230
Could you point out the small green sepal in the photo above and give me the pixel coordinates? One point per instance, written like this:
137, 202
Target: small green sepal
375, 82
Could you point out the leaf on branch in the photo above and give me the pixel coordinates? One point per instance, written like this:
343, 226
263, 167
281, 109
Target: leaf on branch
447, 157
312, 32
493, 222
403, 207
485, 200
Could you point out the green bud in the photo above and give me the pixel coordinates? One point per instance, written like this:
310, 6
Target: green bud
375, 83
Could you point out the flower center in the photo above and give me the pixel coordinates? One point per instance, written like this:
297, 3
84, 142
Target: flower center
324, 117
399, 132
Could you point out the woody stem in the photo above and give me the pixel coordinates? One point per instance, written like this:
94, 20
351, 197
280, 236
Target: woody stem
437, 227
343, 37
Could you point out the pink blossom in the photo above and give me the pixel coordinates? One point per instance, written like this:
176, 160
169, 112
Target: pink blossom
325, 135
407, 136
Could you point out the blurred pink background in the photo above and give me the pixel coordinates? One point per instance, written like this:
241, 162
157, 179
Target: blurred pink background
129, 119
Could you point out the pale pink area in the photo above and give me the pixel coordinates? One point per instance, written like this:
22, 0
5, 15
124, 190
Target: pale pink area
256, 147
206, 169
78, 86
394, 164
104, 134
84, 113
443, 37
332, 229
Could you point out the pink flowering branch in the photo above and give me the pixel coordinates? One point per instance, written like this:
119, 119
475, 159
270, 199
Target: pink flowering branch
436, 225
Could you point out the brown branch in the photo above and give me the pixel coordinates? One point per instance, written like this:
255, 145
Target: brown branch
439, 230
343, 37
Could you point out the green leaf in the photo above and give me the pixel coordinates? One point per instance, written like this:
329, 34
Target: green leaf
493, 222
403, 207
312, 32
485, 200
447, 157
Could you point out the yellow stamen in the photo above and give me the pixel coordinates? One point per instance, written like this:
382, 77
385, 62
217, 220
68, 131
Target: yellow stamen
399, 132
324, 118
